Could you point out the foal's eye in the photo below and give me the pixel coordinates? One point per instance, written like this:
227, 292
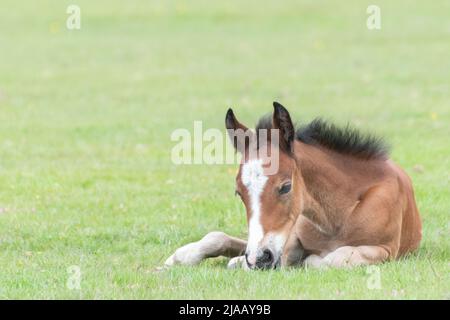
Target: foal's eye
285, 188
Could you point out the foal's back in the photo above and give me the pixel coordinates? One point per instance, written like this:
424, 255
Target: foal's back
411, 227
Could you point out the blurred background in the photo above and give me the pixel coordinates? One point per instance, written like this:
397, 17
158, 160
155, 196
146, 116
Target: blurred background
86, 117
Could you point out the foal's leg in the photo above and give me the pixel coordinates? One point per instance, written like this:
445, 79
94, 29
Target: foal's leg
214, 244
347, 257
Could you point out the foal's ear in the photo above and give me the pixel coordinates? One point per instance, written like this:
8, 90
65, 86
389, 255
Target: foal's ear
239, 134
282, 121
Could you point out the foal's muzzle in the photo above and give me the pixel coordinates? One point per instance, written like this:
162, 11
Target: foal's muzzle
264, 260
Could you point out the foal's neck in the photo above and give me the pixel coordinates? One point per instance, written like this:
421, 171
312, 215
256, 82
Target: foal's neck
322, 184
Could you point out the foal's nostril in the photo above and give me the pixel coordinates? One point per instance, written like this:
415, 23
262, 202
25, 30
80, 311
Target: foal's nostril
265, 260
267, 256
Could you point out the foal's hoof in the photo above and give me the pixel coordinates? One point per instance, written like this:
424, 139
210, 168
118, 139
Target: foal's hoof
238, 263
170, 261
186, 255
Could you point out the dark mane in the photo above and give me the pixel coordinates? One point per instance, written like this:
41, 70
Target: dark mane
345, 140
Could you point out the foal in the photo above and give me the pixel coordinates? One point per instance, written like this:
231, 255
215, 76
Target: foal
336, 200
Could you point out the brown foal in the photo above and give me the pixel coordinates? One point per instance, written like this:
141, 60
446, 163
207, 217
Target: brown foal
336, 200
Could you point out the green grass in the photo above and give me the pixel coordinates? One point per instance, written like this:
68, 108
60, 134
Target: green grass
85, 171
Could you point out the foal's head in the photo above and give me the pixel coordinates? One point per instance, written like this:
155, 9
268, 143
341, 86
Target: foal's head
271, 197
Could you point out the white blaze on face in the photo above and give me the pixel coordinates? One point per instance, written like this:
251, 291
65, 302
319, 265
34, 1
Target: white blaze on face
254, 180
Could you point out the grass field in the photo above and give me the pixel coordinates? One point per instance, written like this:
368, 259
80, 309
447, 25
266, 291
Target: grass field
86, 115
